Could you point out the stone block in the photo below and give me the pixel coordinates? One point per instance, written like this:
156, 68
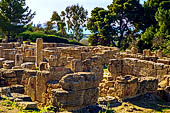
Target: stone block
39, 53
79, 81
76, 65
28, 65
8, 64
41, 81
18, 59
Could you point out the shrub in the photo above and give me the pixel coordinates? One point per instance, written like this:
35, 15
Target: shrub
32, 36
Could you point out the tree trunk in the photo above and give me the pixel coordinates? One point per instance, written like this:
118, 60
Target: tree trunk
8, 37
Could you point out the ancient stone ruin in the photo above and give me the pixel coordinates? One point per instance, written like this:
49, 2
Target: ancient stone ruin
53, 74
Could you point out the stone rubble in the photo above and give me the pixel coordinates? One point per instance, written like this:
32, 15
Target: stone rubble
54, 74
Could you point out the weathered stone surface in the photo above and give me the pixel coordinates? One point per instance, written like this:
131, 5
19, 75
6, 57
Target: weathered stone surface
58, 72
28, 65
76, 65
27, 105
31, 90
17, 89
79, 81
18, 59
8, 64
147, 85
43, 66
41, 87
39, 53
67, 98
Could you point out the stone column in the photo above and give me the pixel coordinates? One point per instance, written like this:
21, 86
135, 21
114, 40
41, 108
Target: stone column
18, 59
39, 53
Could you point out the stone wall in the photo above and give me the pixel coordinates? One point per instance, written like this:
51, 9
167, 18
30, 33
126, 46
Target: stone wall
54, 74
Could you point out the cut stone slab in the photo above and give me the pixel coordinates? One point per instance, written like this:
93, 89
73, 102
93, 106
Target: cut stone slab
25, 98
17, 89
28, 65
27, 105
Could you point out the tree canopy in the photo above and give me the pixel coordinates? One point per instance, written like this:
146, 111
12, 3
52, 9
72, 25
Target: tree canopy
14, 15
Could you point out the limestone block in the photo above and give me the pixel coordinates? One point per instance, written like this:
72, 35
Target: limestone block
53, 61
28, 52
90, 96
30, 59
41, 87
150, 64
28, 65
27, 105
163, 61
67, 98
147, 85
115, 66
126, 87
31, 90
9, 54
17, 89
158, 66
18, 59
79, 81
39, 53
8, 64
58, 72
43, 66
76, 65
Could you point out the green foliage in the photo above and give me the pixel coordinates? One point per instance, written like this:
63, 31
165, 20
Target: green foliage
76, 17
32, 36
157, 35
14, 15
110, 27
100, 25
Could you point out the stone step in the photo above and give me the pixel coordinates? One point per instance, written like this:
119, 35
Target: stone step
27, 105
23, 97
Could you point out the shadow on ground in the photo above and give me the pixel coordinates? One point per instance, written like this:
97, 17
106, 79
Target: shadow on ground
150, 101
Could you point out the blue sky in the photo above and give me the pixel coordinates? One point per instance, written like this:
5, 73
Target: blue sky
45, 8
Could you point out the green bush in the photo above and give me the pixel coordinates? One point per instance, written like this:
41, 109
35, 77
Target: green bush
32, 36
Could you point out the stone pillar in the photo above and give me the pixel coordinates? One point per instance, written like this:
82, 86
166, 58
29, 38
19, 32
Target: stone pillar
39, 53
1, 52
76, 65
18, 59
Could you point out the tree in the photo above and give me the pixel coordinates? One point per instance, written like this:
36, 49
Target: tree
76, 17
100, 26
60, 22
14, 15
127, 16
150, 9
157, 35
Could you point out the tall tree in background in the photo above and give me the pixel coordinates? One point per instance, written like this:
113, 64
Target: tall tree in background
100, 26
127, 16
76, 17
122, 18
157, 33
14, 15
60, 22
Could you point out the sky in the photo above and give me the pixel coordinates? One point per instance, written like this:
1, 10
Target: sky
45, 8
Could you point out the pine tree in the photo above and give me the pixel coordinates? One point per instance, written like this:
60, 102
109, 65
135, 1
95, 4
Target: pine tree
14, 15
